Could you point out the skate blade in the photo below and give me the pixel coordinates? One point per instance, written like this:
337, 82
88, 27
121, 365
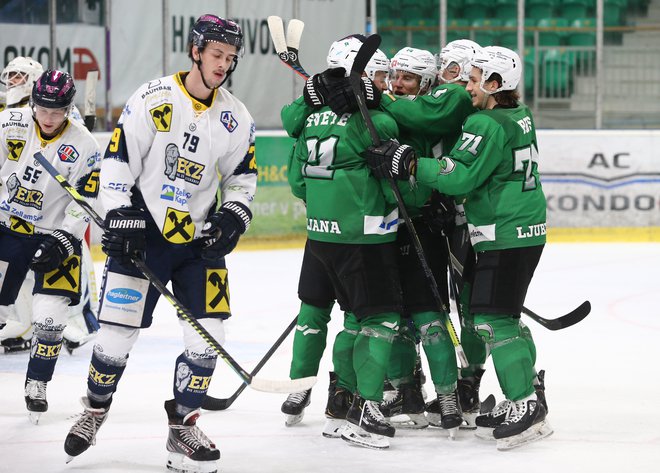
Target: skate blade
291, 420
69, 458
469, 419
484, 433
533, 434
180, 463
34, 417
409, 421
333, 428
357, 436
453, 432
434, 420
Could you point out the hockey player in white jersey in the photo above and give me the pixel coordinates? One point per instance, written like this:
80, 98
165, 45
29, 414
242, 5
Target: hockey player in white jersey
18, 77
177, 180
40, 229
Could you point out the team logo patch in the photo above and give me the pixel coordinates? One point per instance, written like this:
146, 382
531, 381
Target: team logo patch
19, 225
15, 148
167, 192
175, 194
228, 121
67, 154
66, 277
162, 116
217, 291
176, 166
178, 227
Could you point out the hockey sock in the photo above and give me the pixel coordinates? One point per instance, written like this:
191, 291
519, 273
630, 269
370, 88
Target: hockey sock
342, 353
309, 340
104, 375
475, 349
371, 353
527, 335
439, 350
191, 382
46, 346
403, 355
511, 355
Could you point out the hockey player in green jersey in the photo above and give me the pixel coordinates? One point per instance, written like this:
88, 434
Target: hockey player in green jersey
352, 220
494, 165
315, 289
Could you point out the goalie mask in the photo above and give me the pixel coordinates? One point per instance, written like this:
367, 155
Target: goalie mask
419, 62
459, 52
18, 77
498, 60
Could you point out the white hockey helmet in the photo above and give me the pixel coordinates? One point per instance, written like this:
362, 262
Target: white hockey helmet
342, 53
498, 60
416, 61
460, 52
18, 77
377, 63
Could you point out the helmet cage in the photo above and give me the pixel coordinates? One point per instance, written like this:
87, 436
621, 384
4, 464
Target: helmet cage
23, 72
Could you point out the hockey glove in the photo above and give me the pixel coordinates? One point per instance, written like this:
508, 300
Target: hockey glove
391, 159
440, 213
224, 228
333, 89
52, 252
124, 236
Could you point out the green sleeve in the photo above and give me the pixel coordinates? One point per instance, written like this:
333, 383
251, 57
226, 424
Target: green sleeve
294, 173
474, 158
294, 116
442, 111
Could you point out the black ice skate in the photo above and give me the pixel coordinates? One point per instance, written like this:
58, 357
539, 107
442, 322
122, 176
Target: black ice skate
191, 451
294, 407
539, 388
468, 395
487, 422
35, 399
15, 345
366, 426
406, 408
83, 433
339, 401
445, 413
525, 422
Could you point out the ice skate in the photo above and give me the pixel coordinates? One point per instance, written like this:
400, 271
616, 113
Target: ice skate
83, 433
539, 388
450, 413
525, 423
487, 422
366, 426
468, 395
15, 337
294, 407
405, 409
191, 451
35, 399
339, 401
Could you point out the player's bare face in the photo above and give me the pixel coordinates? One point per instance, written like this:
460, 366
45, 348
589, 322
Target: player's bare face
380, 80
50, 119
16, 79
474, 89
405, 83
217, 59
451, 72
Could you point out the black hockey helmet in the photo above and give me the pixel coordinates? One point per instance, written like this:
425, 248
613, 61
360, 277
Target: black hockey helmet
213, 28
53, 89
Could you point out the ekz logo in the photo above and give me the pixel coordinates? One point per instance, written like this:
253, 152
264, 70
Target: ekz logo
123, 295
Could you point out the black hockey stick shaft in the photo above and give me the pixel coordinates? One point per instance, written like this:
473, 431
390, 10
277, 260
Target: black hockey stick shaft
211, 403
185, 314
363, 56
564, 321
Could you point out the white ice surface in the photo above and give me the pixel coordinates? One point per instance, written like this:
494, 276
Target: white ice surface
602, 381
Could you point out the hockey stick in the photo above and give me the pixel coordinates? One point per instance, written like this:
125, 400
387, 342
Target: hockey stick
211, 403
287, 47
90, 99
363, 56
564, 321
279, 386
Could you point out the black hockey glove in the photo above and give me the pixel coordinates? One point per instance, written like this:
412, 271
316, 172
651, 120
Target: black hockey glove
440, 213
124, 236
391, 159
52, 252
224, 228
331, 88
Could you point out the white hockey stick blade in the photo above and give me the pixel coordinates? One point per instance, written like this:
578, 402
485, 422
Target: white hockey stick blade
294, 32
90, 92
276, 28
283, 386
